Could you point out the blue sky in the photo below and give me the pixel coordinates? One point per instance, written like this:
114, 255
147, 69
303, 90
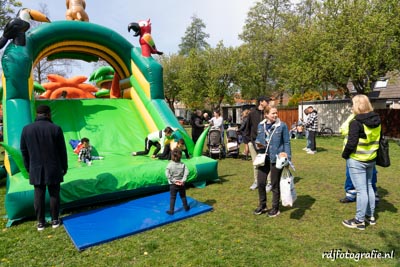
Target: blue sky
224, 19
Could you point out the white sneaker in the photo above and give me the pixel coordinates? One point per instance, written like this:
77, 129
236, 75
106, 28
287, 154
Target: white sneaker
100, 157
268, 188
134, 153
311, 152
306, 148
253, 186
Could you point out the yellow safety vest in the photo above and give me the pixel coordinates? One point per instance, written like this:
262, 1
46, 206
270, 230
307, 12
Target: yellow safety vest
367, 147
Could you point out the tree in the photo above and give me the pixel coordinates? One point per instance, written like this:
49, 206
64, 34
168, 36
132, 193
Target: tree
220, 74
7, 11
344, 41
363, 40
172, 67
262, 31
194, 38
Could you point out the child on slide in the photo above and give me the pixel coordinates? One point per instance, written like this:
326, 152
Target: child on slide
84, 151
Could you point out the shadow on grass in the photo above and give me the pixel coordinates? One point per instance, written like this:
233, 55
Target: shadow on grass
297, 179
222, 179
210, 202
301, 205
391, 240
383, 204
321, 149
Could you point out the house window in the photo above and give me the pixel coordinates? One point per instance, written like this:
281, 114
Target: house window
381, 84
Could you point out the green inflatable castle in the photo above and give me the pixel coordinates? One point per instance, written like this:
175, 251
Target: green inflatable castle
115, 126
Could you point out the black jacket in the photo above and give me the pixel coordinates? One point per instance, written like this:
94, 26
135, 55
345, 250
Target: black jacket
255, 117
356, 131
197, 127
44, 152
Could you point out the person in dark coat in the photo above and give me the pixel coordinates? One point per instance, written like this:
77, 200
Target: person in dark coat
45, 158
256, 115
197, 125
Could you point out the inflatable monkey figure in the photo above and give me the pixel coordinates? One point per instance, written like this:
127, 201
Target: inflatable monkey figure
76, 10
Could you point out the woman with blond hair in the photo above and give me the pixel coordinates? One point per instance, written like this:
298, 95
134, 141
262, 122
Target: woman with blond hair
360, 150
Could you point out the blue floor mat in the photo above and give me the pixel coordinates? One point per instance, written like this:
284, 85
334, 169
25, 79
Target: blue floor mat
102, 225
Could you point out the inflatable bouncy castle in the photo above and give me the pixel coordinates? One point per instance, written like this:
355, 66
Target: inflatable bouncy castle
116, 125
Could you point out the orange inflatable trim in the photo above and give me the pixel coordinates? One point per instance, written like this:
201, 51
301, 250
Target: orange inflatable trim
60, 87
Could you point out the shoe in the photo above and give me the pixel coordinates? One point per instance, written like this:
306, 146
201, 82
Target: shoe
346, 200
55, 223
253, 186
273, 213
311, 152
370, 219
306, 148
134, 153
187, 208
260, 210
40, 226
100, 157
268, 188
170, 212
354, 223
89, 163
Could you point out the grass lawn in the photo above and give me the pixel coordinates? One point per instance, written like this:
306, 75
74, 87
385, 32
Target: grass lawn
231, 235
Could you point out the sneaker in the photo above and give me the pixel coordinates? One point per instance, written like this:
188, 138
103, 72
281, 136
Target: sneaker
134, 153
311, 152
100, 157
170, 212
260, 210
40, 226
253, 186
306, 148
354, 223
370, 219
187, 208
273, 213
268, 188
55, 223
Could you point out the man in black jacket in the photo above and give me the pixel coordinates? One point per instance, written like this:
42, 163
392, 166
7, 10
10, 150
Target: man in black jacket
255, 117
197, 125
45, 158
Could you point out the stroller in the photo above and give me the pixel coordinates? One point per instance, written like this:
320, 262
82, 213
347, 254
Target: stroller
214, 143
233, 142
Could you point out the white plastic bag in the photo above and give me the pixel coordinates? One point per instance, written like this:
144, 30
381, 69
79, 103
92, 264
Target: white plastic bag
259, 160
288, 192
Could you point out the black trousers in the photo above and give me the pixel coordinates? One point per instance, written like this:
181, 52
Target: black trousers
311, 137
147, 145
175, 189
262, 173
40, 205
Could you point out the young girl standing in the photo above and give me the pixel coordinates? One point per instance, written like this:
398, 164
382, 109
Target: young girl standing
177, 174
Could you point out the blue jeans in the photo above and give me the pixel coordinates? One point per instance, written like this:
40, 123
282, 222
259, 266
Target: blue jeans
308, 140
349, 187
361, 176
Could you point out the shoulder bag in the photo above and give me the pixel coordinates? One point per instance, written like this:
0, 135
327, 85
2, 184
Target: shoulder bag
382, 158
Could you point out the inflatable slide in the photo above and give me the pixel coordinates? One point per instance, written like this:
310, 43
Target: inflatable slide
115, 126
